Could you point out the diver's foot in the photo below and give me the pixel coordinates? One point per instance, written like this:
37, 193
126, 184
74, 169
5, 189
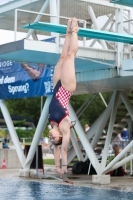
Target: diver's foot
69, 25
74, 25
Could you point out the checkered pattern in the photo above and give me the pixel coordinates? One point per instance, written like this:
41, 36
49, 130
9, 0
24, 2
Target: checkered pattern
63, 97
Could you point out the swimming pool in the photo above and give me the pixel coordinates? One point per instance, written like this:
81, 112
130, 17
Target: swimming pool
26, 190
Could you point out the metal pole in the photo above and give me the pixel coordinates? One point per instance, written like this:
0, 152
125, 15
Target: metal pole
87, 105
125, 166
121, 27
34, 36
110, 130
93, 18
37, 161
89, 168
58, 22
117, 44
127, 103
58, 11
131, 162
12, 132
54, 11
71, 153
122, 162
118, 157
76, 146
103, 28
38, 17
40, 127
129, 32
98, 127
84, 141
85, 102
103, 99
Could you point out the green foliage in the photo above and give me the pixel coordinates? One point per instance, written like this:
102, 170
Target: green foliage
93, 111
28, 107
2, 133
49, 161
46, 132
19, 123
25, 133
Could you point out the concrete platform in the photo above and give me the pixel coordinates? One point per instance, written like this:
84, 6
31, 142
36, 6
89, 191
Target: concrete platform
118, 183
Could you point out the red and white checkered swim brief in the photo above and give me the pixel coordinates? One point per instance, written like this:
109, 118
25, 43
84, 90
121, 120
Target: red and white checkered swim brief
58, 108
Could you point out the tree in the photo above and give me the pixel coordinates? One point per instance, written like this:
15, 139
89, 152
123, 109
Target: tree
25, 133
93, 111
2, 133
27, 107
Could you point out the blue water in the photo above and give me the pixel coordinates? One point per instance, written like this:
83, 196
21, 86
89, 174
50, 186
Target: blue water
26, 190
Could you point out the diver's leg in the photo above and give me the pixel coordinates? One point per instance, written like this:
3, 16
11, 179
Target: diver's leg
68, 79
58, 68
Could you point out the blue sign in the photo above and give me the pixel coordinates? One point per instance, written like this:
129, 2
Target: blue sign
20, 80
25, 80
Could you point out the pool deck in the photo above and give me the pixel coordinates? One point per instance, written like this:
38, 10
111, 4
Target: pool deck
118, 183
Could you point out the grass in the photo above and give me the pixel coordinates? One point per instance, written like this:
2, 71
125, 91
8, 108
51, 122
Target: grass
49, 161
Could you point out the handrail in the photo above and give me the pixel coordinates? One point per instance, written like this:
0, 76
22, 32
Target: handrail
44, 14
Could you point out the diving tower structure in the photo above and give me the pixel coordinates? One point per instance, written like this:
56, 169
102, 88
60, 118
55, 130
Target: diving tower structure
123, 2
107, 67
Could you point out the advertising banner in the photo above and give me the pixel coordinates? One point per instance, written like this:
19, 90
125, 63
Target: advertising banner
25, 80
21, 80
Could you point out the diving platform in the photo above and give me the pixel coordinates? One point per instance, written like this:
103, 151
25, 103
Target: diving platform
95, 68
123, 2
31, 51
83, 32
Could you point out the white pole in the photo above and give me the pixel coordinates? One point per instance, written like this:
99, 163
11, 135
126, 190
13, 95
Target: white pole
110, 130
117, 43
93, 18
54, 11
12, 132
58, 11
125, 165
100, 123
127, 103
89, 168
40, 127
131, 162
103, 99
84, 38
121, 27
122, 162
38, 17
118, 157
76, 146
84, 141
129, 32
71, 153
103, 28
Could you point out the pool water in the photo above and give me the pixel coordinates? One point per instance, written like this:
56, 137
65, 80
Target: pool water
26, 190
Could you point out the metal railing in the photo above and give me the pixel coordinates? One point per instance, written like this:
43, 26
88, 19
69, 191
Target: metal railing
84, 22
